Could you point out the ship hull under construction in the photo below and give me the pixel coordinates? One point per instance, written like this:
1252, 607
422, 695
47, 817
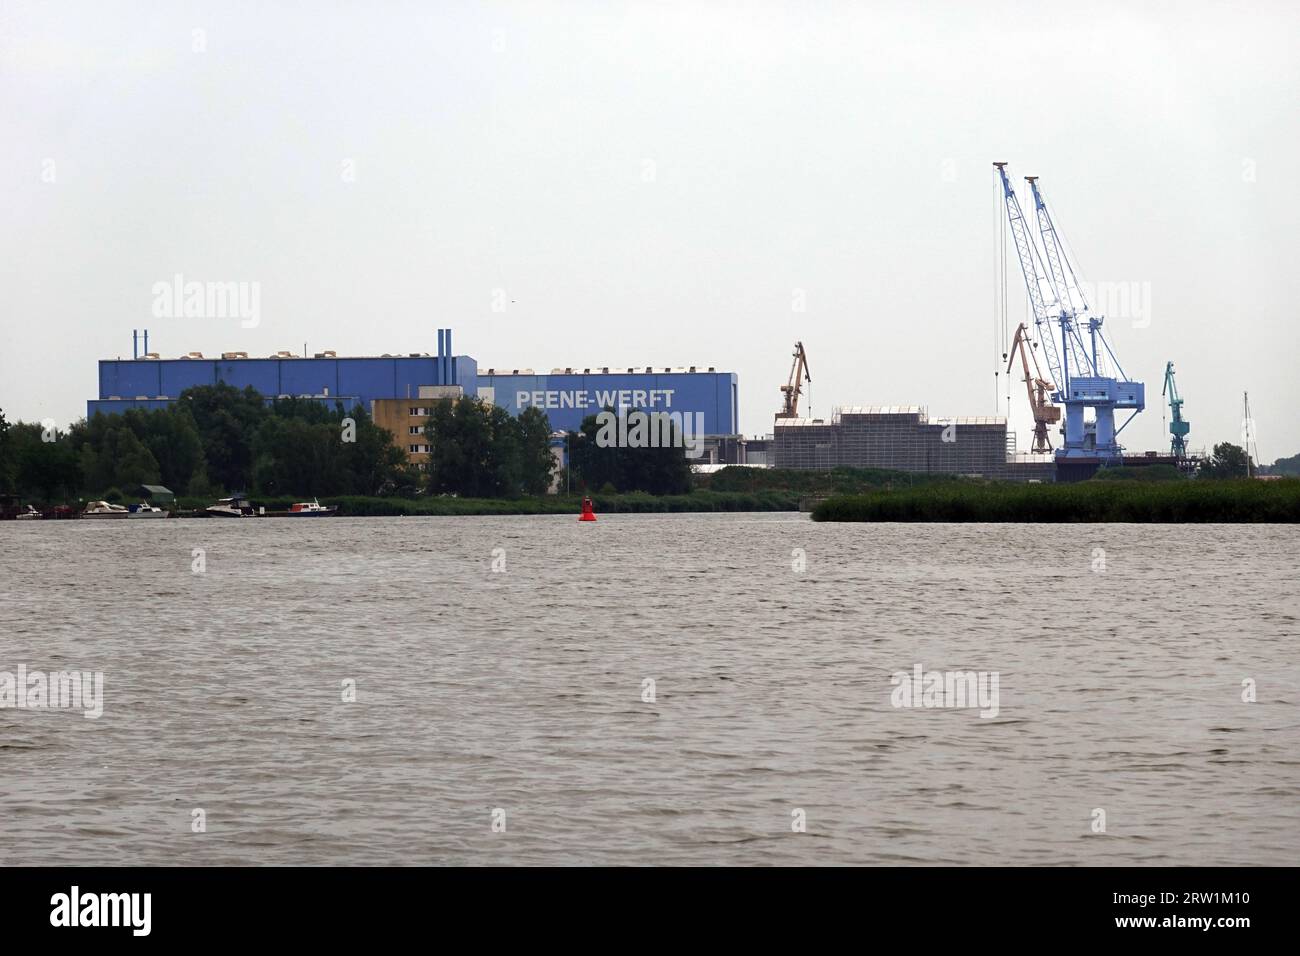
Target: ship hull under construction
904, 438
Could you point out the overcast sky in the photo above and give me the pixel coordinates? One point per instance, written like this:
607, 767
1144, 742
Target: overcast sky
656, 184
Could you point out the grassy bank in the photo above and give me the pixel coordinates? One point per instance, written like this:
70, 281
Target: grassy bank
837, 481
1200, 501
358, 506
734, 489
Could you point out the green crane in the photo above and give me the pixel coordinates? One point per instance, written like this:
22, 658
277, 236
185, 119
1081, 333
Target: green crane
1178, 428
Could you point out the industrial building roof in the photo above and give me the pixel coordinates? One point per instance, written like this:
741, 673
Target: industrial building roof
915, 412
606, 370
245, 357
920, 412
880, 410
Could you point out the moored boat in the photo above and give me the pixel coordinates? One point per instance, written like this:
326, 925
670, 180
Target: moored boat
311, 509
102, 509
233, 507
145, 510
28, 514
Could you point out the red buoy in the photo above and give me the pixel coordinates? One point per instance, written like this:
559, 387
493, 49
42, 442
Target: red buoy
587, 513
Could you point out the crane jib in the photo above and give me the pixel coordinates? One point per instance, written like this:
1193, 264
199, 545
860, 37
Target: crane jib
1080, 365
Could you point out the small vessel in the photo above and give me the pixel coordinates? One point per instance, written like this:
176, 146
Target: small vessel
311, 509
146, 510
102, 509
28, 514
233, 507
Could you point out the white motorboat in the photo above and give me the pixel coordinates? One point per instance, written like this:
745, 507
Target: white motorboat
102, 509
234, 507
29, 514
146, 510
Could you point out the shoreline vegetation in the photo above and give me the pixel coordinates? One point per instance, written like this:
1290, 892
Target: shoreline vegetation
362, 506
1187, 501
882, 497
860, 495
217, 441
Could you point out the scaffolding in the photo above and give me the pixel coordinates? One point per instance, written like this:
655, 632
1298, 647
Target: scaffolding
905, 438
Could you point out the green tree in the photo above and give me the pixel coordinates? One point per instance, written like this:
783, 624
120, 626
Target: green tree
371, 461
46, 470
221, 438
1286, 466
172, 437
110, 454
598, 461
478, 450
292, 457
169, 435
536, 461
118, 458
1228, 461
304, 448
200, 485
134, 465
594, 464
227, 419
6, 456
465, 449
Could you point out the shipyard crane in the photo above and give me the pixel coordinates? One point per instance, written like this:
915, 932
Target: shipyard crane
1039, 389
1080, 370
791, 391
1178, 427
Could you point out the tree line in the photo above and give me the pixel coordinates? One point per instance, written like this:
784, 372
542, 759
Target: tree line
1227, 461
214, 439
218, 439
479, 450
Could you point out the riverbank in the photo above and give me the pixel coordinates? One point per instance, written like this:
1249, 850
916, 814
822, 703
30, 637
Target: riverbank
1199, 501
736, 489
861, 495
361, 506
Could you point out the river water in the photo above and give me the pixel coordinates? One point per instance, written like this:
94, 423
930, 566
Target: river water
503, 711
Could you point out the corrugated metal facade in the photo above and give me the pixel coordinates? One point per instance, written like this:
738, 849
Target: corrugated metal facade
155, 383
568, 398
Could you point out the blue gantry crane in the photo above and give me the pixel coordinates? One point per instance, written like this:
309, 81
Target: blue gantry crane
1178, 427
1084, 369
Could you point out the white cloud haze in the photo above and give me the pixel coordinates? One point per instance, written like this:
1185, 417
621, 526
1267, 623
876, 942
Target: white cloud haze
650, 183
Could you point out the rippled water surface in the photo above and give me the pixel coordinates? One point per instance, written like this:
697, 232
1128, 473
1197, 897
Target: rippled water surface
522, 690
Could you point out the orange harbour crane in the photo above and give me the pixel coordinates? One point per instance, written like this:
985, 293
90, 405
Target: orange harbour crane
791, 391
1039, 389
